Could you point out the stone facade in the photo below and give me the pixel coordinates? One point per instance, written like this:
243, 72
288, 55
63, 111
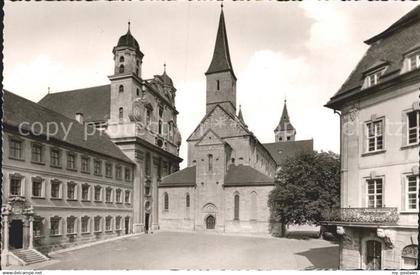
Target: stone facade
379, 153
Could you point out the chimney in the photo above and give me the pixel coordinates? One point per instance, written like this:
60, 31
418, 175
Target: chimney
79, 118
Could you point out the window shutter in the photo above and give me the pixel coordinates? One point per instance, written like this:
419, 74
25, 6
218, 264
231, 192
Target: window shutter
403, 192
364, 138
363, 193
404, 129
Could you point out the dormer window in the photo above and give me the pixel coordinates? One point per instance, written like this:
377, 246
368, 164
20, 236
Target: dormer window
371, 79
374, 73
411, 61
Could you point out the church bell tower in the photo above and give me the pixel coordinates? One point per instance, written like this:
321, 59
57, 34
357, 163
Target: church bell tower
126, 83
221, 80
285, 130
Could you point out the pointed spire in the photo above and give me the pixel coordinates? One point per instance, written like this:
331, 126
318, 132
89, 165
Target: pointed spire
129, 23
284, 123
164, 68
240, 116
221, 57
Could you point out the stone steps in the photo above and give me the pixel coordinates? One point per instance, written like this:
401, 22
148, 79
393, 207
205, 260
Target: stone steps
30, 256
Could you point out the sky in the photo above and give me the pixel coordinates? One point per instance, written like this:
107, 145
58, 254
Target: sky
302, 51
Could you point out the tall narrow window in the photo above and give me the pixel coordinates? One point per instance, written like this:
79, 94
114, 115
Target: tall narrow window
166, 202
16, 149
412, 192
121, 89
55, 225
71, 225
160, 127
375, 135
15, 186
148, 117
55, 158
71, 161
55, 189
253, 209
210, 160
85, 192
138, 92
97, 224
121, 58
187, 200
37, 151
85, 224
121, 69
413, 127
121, 113
37, 187
236, 207
218, 84
374, 192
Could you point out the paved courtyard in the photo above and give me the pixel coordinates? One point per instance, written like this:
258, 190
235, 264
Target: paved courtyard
168, 250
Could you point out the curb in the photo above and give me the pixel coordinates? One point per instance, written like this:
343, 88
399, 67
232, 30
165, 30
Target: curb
93, 243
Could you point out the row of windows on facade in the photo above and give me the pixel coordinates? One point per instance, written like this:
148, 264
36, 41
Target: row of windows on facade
375, 132
236, 202
375, 192
100, 224
38, 190
411, 62
37, 157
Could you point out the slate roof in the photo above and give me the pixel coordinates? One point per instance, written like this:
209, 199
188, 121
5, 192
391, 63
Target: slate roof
280, 151
284, 124
18, 109
181, 178
390, 46
221, 56
243, 175
93, 103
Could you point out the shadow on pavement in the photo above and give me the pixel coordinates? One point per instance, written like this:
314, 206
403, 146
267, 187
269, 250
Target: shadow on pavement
322, 258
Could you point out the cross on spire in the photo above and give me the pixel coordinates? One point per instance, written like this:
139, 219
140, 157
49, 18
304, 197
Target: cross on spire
129, 23
164, 67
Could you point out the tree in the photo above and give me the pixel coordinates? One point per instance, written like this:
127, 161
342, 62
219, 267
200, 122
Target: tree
307, 186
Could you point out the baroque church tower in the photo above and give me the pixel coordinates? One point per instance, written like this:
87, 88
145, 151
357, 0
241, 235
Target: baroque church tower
126, 80
285, 130
221, 80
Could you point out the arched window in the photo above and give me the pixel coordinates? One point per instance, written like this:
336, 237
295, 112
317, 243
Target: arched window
236, 207
166, 202
409, 257
210, 162
121, 113
138, 92
253, 212
121, 58
187, 200
121, 89
121, 69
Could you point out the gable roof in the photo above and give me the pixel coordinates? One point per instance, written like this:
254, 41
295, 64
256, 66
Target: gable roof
221, 57
244, 175
280, 151
93, 103
389, 45
227, 113
181, 178
18, 110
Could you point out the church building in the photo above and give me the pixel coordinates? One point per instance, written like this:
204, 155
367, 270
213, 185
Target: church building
230, 174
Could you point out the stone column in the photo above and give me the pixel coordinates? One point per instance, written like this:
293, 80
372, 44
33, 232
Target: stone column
31, 232
6, 212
